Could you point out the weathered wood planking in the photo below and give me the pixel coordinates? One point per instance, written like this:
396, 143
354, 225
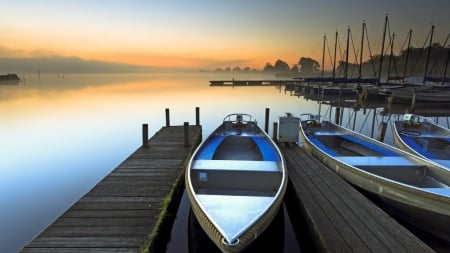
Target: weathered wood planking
120, 212
338, 217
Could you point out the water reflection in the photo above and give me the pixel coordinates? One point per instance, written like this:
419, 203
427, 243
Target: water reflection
188, 237
61, 135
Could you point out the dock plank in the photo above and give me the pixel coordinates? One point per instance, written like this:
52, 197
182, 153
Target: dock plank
120, 212
339, 217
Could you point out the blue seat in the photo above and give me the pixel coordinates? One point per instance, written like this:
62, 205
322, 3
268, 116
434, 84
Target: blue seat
208, 151
414, 145
268, 151
369, 145
321, 146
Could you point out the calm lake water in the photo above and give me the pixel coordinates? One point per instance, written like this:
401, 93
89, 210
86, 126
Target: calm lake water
61, 134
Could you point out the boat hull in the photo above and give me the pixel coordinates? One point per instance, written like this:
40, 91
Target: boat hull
391, 178
424, 138
235, 181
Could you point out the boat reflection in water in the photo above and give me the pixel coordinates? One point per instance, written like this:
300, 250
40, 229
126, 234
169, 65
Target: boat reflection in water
272, 238
187, 236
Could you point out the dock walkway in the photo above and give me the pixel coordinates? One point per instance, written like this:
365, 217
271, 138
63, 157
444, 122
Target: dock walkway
250, 82
122, 210
339, 218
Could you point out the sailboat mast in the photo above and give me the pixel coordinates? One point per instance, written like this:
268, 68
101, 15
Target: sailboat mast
429, 52
444, 75
346, 54
407, 53
323, 54
382, 47
391, 55
334, 60
362, 46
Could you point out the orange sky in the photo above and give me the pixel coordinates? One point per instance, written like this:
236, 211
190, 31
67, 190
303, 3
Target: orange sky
205, 34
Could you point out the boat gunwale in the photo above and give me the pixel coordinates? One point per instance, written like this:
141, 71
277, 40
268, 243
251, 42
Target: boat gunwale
259, 221
400, 141
380, 179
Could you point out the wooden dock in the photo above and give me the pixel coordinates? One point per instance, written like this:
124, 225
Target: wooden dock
336, 216
127, 210
250, 82
133, 208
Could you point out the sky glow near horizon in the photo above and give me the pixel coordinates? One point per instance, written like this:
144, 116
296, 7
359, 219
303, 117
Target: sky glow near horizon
209, 34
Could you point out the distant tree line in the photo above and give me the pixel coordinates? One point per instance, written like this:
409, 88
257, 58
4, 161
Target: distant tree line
304, 65
409, 62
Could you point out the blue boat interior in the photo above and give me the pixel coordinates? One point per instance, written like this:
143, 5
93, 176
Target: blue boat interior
242, 164
379, 149
345, 145
223, 147
431, 147
209, 148
377, 160
268, 151
414, 145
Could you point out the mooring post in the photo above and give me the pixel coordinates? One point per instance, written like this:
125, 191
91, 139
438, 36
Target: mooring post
382, 132
266, 125
186, 134
337, 114
275, 132
197, 116
144, 135
167, 118
413, 100
373, 122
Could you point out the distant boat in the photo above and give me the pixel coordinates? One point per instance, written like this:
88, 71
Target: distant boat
416, 189
9, 79
236, 180
420, 94
423, 137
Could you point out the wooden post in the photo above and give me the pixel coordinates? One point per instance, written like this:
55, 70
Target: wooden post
197, 116
167, 118
266, 125
413, 100
354, 122
373, 122
337, 115
186, 134
275, 132
145, 136
382, 132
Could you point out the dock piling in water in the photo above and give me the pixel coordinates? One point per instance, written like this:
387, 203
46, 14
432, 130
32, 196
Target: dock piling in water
167, 117
197, 116
144, 135
186, 134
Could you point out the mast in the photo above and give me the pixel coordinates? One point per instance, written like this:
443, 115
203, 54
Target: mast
362, 46
382, 47
323, 54
334, 61
391, 56
346, 54
407, 53
429, 52
444, 75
